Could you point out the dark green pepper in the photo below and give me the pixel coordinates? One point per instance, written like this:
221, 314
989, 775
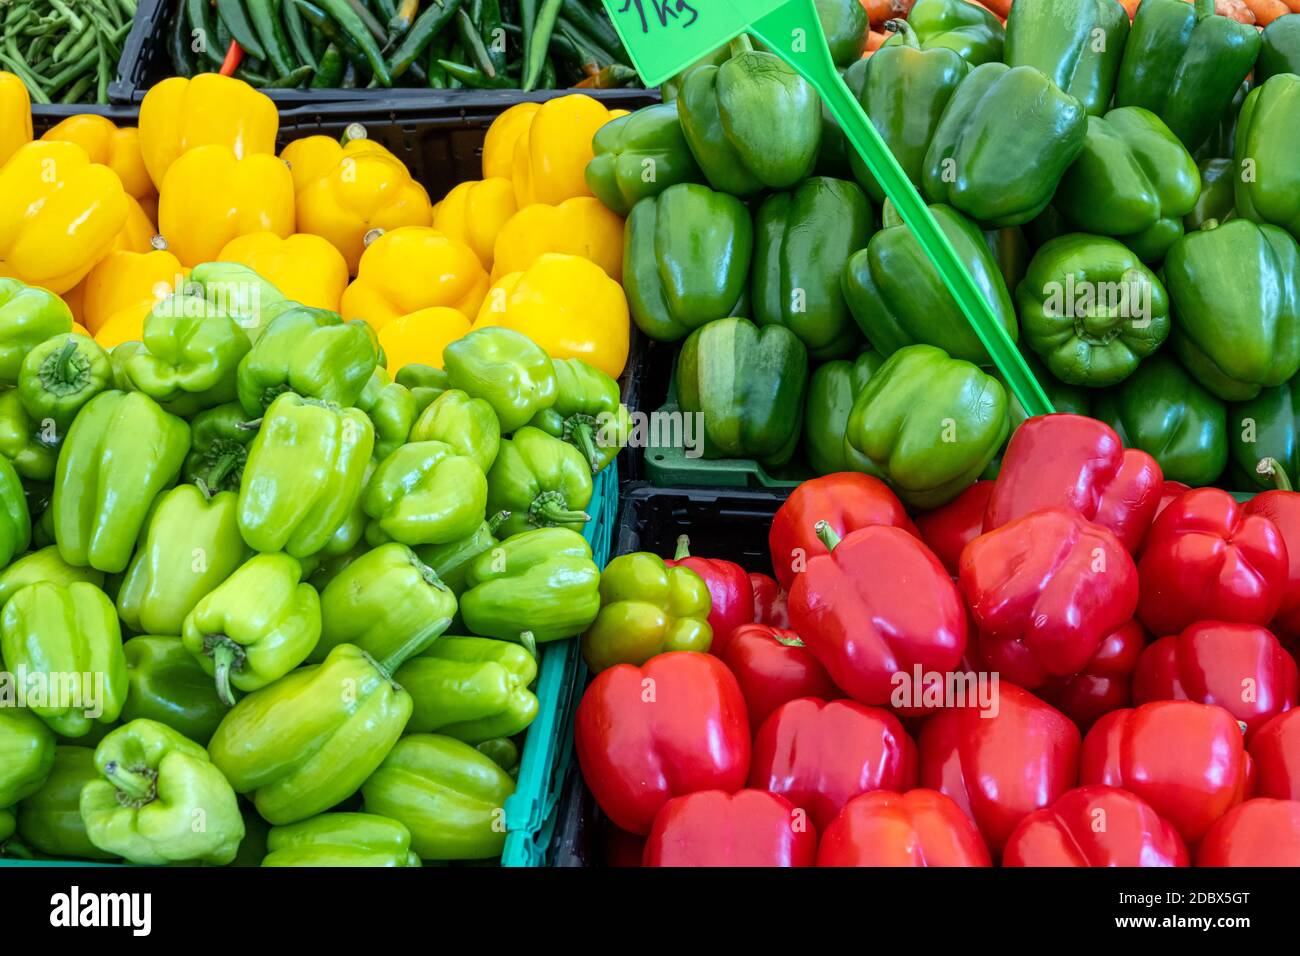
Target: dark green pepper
1218, 198
219, 440
1268, 186
844, 22
969, 30
50, 819
832, 390
640, 155
1279, 50
1267, 426
1077, 43
165, 683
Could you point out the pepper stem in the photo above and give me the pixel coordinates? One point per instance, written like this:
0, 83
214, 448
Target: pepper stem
496, 521
427, 574
529, 642
1272, 468
901, 28
794, 641
415, 645
548, 511
585, 441
62, 365
827, 535
218, 472
137, 786
1204, 9
742, 44
227, 656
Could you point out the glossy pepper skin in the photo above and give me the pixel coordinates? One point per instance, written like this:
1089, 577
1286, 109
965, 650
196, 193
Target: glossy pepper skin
29, 315
424, 493
996, 103
552, 147
749, 383
1282, 507
543, 482
1268, 195
304, 267
505, 369
1185, 63
31, 448
16, 112
468, 425
1279, 50
451, 561
1067, 833
686, 260
773, 666
1104, 684
1267, 426
578, 228
240, 292
1275, 750
42, 565
27, 746
1207, 560
341, 839
917, 828
59, 376
471, 688
770, 599
383, 290
1259, 832
640, 155
947, 530
716, 828
425, 383
638, 753
1060, 37
15, 521
391, 409
730, 591
587, 413
219, 440
166, 684
474, 214
1217, 200
49, 820
969, 30
1002, 768
832, 390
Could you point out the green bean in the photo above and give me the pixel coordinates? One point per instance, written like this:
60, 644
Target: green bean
103, 68
77, 90
67, 13
538, 42
19, 69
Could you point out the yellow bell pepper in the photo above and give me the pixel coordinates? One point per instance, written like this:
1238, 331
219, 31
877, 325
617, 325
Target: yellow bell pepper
419, 338
502, 135
138, 232
126, 279
59, 214
343, 192
474, 213
410, 269
118, 149
210, 196
582, 226
552, 154
304, 267
568, 306
15, 115
180, 114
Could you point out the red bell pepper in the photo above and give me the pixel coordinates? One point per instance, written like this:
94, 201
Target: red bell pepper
729, 587
917, 828
1241, 667
1096, 826
1207, 559
1068, 461
1045, 591
1000, 766
774, 666
1104, 684
949, 529
715, 828
846, 501
1282, 507
646, 734
769, 601
1169, 491
877, 607
1185, 759
1275, 749
1260, 832
820, 754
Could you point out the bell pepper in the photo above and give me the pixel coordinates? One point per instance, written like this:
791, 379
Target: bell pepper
999, 104
580, 227
648, 607
15, 520
345, 545
1185, 759
425, 382
686, 259
542, 581
507, 370
1078, 45
749, 384
121, 451
474, 213
587, 413
568, 306
1266, 188
1105, 682
690, 733
304, 473
391, 410
106, 144
773, 666
238, 291
304, 267
878, 604
716, 828
219, 448
968, 29
450, 796
166, 684
917, 828
68, 634
59, 376
471, 688
1282, 507
341, 839
503, 136
1237, 305
1000, 765
468, 425
929, 423
1207, 560
59, 215
1275, 751
15, 115
123, 287
731, 595
1267, 426
832, 390
27, 746
728, 113
1279, 51
29, 315
156, 784
451, 561
424, 493
1217, 200
1184, 63
49, 820
947, 530
1096, 826
43, 565
419, 339
1257, 833
541, 480
638, 156
898, 298
1167, 413
552, 150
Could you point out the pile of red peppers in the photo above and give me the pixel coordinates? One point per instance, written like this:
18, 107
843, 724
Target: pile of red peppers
979, 685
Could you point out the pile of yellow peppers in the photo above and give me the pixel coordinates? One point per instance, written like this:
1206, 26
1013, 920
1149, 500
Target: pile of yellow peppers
112, 219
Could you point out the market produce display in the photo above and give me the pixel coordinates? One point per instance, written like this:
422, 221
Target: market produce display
65, 52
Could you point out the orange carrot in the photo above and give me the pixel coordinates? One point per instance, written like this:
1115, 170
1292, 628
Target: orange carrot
875, 40
878, 11
1266, 11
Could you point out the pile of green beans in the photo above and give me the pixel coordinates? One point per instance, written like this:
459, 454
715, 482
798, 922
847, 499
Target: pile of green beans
64, 51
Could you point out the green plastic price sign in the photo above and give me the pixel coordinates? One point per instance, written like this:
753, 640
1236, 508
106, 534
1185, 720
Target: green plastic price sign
665, 37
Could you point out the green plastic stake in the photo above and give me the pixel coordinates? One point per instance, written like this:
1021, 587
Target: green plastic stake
665, 37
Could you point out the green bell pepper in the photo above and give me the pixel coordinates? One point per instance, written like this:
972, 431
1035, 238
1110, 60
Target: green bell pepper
929, 423
1279, 50
165, 683
32, 447
640, 155
425, 493
450, 796
749, 385
252, 849
832, 390
671, 88
424, 382
1268, 188
1267, 426
1077, 43
1010, 248
157, 785
304, 474
647, 608
1168, 414
504, 368
348, 538
468, 425
542, 581
219, 440
311, 352
256, 626
380, 601
50, 819
60, 375
1185, 63
969, 30
28, 316
541, 480
1091, 310
587, 413
67, 639
26, 754
1235, 290
1218, 197
237, 291
341, 839
15, 521
190, 545
118, 358
833, 159
450, 562
844, 22
803, 239
121, 451
43, 565
1038, 130
729, 114
391, 409
503, 752
686, 258
471, 688
8, 824
898, 298
1133, 180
